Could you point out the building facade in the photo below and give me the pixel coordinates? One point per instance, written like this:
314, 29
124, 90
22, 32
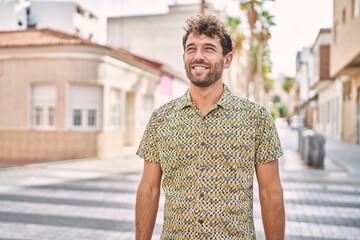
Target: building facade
345, 64
159, 37
155, 36
65, 16
64, 97
304, 72
333, 102
327, 115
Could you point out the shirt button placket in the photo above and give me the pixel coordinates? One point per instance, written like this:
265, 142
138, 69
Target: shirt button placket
201, 170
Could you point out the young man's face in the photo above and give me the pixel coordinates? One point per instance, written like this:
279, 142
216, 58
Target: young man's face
203, 59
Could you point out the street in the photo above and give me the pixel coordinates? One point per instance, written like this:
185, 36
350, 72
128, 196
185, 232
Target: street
95, 198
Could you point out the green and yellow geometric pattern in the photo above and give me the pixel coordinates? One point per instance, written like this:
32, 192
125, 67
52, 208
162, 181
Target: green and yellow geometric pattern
208, 164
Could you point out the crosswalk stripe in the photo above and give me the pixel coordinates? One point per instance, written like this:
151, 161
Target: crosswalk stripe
111, 199
41, 232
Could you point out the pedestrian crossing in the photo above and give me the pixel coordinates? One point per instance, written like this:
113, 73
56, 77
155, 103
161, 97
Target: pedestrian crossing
61, 207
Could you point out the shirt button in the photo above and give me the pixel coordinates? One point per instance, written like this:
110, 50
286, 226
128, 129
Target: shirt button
201, 221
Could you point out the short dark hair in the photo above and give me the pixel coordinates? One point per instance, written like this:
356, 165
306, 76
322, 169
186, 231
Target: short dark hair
211, 26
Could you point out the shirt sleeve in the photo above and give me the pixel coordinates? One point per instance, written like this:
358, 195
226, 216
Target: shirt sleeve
268, 142
148, 148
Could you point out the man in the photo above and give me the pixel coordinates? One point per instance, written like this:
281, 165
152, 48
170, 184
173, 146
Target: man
206, 146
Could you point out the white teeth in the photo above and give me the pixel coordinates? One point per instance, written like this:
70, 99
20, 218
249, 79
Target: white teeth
199, 68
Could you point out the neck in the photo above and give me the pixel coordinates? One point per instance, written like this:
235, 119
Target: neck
205, 97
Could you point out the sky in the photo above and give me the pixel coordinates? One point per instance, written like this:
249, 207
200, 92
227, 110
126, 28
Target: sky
297, 25
297, 22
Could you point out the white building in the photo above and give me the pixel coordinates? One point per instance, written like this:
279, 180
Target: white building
328, 102
304, 72
65, 16
155, 36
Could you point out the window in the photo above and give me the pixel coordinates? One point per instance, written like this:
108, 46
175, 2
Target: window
39, 116
355, 8
42, 109
92, 117
85, 107
51, 116
115, 108
77, 117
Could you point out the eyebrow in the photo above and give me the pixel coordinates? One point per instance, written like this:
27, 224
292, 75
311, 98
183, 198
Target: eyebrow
206, 44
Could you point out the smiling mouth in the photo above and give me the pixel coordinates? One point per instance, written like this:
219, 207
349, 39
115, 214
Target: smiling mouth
199, 68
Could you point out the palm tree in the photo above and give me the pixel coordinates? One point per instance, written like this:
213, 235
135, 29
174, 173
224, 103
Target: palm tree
259, 21
203, 6
238, 38
262, 36
288, 83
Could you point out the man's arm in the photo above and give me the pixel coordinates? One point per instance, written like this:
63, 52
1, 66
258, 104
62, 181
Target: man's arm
147, 200
271, 200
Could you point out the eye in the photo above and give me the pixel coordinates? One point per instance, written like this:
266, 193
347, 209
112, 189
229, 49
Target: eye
210, 49
190, 50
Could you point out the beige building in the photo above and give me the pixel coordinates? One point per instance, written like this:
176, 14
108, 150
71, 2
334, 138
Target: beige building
345, 64
63, 97
326, 106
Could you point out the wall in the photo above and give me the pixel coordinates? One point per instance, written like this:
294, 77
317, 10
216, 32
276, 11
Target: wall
165, 31
62, 66
350, 111
330, 115
346, 47
46, 145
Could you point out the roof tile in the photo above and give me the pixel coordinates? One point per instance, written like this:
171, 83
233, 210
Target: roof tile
49, 37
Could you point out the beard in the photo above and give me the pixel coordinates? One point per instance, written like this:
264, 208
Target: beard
204, 79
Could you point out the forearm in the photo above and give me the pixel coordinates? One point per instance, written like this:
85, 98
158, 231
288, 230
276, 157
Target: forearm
273, 214
147, 201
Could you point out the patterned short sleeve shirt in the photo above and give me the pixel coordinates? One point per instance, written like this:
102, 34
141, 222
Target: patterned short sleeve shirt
208, 164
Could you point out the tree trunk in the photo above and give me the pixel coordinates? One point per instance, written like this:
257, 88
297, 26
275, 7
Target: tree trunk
258, 76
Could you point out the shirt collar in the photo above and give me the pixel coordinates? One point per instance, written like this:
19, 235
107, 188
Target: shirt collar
225, 101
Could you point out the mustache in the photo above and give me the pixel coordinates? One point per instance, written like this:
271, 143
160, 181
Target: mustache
199, 61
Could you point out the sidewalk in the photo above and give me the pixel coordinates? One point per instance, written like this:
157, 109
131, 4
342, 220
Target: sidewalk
341, 163
57, 171
75, 199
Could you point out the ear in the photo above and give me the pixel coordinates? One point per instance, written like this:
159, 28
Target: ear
228, 59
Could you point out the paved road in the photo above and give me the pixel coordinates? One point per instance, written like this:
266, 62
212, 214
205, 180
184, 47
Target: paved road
94, 199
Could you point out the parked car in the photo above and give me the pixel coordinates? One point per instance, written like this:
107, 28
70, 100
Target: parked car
296, 121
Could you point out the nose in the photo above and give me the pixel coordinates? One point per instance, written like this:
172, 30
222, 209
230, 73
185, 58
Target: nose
199, 54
